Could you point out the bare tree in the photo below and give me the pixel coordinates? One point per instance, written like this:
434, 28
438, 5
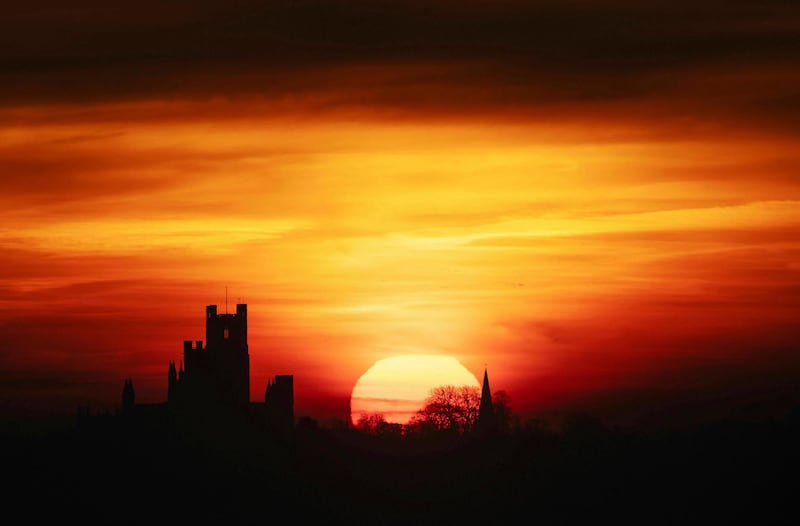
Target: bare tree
370, 422
376, 424
449, 408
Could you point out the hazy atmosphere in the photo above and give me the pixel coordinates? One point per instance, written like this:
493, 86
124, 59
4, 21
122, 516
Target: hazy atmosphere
596, 201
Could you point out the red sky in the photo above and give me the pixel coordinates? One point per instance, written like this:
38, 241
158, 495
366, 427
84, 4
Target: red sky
599, 201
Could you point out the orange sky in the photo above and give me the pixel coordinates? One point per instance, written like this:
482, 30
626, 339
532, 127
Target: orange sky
613, 233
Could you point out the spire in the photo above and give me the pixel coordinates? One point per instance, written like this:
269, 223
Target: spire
486, 412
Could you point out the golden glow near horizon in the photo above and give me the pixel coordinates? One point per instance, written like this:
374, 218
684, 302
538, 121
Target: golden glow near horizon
397, 387
596, 203
532, 246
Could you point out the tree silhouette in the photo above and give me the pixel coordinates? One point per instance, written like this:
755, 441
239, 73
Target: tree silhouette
449, 408
376, 424
370, 422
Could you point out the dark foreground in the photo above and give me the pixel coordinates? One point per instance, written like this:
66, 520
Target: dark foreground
714, 474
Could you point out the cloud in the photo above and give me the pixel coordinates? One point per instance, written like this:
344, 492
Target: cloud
590, 193
709, 60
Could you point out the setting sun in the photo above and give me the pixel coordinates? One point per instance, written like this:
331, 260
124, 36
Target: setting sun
262, 258
396, 387
606, 218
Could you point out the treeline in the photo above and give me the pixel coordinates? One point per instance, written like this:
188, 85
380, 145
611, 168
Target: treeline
449, 409
529, 471
581, 470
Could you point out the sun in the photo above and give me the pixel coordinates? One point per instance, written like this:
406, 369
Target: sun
397, 387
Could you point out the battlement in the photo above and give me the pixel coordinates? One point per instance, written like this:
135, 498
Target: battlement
216, 372
227, 331
241, 311
212, 382
187, 345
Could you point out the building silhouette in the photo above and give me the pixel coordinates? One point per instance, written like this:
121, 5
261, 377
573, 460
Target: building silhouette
278, 401
211, 384
214, 377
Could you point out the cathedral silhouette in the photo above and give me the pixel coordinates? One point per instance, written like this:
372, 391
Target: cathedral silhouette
209, 389
211, 385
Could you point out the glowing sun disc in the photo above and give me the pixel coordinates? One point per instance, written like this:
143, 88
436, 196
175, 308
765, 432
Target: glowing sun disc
397, 387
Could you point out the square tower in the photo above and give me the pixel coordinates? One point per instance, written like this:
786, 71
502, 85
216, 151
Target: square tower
217, 375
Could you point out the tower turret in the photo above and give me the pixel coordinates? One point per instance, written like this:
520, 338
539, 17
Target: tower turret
128, 396
172, 376
279, 402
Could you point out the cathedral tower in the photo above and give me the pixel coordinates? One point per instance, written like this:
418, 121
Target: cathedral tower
217, 375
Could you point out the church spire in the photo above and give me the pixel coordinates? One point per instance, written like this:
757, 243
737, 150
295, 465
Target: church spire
486, 418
